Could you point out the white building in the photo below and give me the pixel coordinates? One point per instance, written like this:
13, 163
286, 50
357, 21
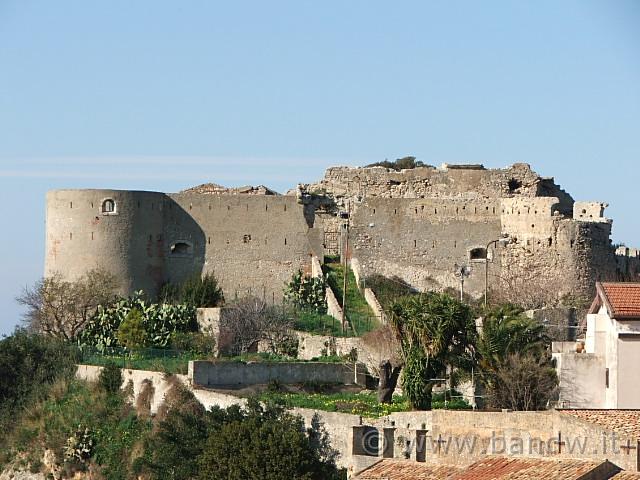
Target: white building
604, 370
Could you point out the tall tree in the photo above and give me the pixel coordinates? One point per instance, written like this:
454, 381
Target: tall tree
61, 308
435, 331
514, 364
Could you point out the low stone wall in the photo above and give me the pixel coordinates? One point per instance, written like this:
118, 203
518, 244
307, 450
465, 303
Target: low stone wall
316, 267
333, 306
357, 270
314, 346
531, 434
374, 304
439, 436
209, 322
240, 374
161, 384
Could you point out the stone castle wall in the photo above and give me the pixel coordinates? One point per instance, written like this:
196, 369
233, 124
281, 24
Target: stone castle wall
415, 224
253, 244
421, 240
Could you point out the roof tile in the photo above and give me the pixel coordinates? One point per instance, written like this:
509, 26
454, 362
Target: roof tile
391, 469
626, 476
624, 299
624, 422
501, 468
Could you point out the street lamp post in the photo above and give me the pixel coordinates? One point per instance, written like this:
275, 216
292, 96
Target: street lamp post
461, 272
504, 240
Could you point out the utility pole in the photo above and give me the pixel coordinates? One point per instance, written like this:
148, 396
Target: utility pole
345, 271
504, 240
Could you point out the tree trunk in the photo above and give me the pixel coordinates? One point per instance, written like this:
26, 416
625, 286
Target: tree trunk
388, 381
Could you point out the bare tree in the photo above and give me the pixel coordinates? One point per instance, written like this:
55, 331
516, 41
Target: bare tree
383, 358
250, 320
529, 289
523, 382
61, 308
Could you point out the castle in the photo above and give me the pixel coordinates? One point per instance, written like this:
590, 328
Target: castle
418, 224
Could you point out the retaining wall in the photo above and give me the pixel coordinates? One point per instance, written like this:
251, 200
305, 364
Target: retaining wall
239, 374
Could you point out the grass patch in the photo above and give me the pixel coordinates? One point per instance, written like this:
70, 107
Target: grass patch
167, 361
318, 324
365, 404
358, 312
362, 403
179, 363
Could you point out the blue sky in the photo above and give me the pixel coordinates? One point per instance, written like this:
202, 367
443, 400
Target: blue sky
163, 95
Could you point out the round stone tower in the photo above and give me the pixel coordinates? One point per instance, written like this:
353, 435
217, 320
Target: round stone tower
116, 230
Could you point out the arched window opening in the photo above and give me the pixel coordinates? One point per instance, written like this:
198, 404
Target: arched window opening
181, 248
108, 206
479, 253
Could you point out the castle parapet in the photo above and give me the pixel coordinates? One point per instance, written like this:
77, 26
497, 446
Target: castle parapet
590, 211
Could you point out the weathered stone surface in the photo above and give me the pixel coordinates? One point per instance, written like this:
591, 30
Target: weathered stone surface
415, 224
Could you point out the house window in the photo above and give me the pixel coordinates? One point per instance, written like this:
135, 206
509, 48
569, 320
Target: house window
108, 206
606, 378
478, 254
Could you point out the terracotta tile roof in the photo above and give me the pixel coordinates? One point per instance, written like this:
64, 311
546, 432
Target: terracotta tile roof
622, 299
626, 476
623, 422
501, 468
391, 469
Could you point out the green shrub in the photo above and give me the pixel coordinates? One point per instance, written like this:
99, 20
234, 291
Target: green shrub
266, 443
110, 378
79, 446
197, 291
306, 293
403, 163
131, 332
29, 364
160, 322
194, 342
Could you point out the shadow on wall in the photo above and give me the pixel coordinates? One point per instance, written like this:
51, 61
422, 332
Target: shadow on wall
184, 244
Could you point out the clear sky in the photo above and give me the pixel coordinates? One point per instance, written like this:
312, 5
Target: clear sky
162, 95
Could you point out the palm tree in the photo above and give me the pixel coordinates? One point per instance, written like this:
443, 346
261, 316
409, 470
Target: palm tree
509, 339
506, 331
434, 331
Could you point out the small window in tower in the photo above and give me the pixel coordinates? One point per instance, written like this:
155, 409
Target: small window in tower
479, 253
246, 238
181, 249
108, 206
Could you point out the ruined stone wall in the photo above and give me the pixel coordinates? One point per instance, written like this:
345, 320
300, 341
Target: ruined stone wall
415, 224
628, 264
421, 240
468, 181
551, 254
